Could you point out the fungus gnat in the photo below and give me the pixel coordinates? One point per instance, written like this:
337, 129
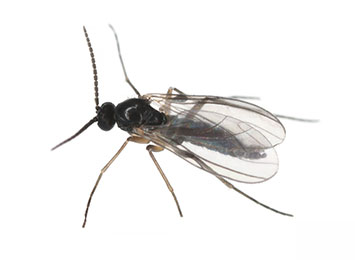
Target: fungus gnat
227, 137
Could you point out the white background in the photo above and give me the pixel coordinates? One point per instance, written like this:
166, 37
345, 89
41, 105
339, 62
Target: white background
298, 56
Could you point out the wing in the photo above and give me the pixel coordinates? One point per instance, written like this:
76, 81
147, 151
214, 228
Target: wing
223, 136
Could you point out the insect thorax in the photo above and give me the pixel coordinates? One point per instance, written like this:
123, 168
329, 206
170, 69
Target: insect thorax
136, 112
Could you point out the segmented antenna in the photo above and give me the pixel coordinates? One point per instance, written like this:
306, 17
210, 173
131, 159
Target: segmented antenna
96, 83
86, 126
95, 119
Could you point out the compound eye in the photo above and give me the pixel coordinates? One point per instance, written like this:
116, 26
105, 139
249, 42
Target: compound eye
133, 115
106, 116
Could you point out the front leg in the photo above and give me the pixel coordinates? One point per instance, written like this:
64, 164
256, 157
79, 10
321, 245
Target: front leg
135, 139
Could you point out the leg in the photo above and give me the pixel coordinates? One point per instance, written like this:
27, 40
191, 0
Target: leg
297, 119
166, 107
171, 89
151, 149
129, 139
245, 97
197, 107
123, 67
231, 186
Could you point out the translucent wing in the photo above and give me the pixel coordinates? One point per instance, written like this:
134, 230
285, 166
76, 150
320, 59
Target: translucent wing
224, 136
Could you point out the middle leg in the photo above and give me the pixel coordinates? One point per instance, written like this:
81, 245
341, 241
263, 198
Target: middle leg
154, 148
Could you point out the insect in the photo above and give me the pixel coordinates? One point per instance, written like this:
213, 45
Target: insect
227, 137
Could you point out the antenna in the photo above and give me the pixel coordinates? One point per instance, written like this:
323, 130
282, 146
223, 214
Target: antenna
96, 83
86, 126
95, 119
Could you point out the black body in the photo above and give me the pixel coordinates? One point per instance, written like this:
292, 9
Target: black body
131, 113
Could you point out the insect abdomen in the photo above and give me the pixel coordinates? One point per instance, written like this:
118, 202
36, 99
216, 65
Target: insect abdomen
211, 137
